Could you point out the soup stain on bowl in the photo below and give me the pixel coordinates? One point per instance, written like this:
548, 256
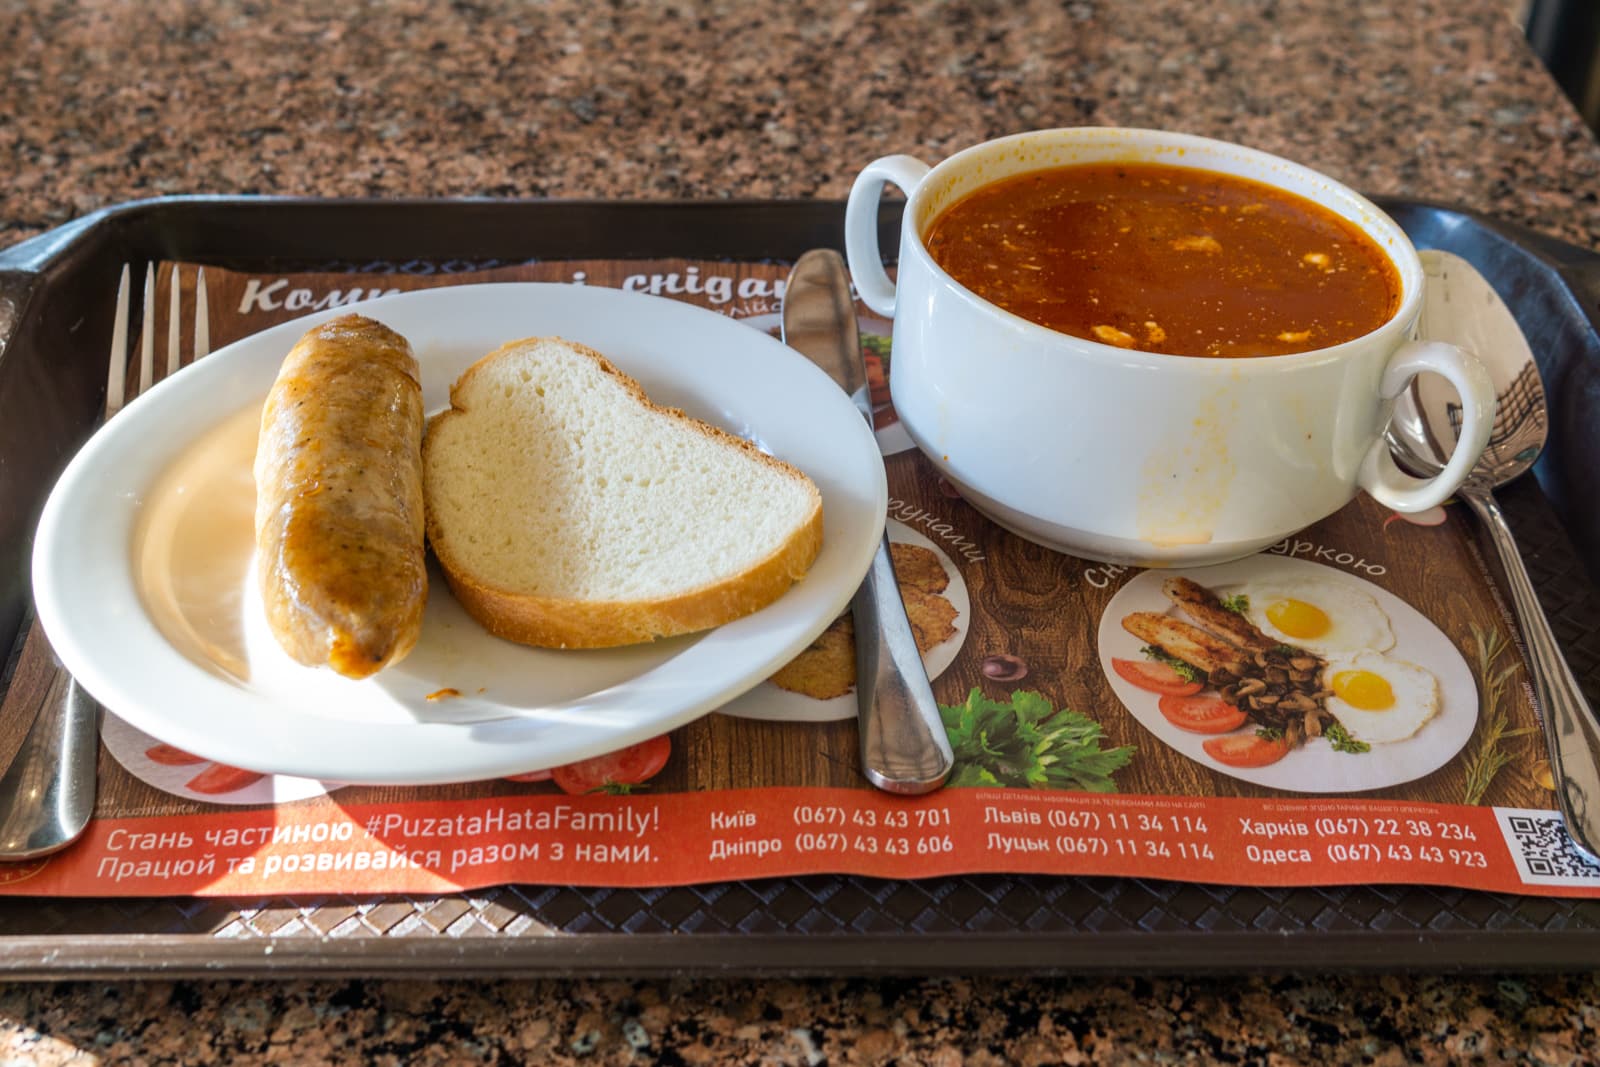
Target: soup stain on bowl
1185, 482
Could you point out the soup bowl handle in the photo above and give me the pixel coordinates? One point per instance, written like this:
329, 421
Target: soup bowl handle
861, 226
1381, 476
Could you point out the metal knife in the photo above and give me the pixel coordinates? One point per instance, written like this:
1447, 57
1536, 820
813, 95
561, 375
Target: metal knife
904, 748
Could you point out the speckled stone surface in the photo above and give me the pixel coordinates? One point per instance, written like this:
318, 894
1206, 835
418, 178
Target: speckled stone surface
1385, 1021
106, 101
649, 98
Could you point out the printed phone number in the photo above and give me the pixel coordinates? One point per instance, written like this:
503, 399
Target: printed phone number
1063, 818
1355, 826
839, 843
1360, 826
869, 819
1089, 845
1397, 852
1367, 852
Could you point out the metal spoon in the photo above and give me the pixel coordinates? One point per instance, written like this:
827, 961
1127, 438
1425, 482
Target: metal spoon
1461, 307
47, 794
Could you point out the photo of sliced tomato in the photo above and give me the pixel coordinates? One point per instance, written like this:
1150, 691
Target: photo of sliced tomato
1154, 677
1201, 714
221, 778
615, 772
1246, 750
172, 756
529, 776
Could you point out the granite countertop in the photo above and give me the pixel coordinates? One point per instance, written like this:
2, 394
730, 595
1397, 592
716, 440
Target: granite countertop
1437, 99
1432, 98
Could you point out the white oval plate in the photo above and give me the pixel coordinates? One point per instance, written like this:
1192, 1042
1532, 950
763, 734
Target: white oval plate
1314, 767
519, 707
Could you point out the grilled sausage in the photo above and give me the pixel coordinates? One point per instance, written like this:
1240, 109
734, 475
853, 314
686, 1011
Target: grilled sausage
339, 514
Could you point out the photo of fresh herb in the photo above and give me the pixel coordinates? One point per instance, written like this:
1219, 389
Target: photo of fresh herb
1026, 743
1490, 754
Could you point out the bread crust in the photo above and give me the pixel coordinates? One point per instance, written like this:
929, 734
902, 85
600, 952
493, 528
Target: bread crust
563, 622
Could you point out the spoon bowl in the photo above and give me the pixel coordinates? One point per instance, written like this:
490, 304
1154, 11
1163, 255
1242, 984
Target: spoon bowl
1461, 307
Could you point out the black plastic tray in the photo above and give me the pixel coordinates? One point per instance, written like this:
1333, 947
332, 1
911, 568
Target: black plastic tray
55, 321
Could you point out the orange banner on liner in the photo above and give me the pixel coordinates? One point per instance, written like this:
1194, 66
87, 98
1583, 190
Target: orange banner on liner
637, 841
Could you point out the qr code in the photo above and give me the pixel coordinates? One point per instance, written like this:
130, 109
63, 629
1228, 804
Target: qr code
1543, 851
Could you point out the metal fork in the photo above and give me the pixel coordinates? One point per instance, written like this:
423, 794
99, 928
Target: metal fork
47, 794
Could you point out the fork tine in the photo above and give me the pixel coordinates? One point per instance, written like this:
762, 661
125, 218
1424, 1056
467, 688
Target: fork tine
117, 373
202, 316
173, 306
147, 336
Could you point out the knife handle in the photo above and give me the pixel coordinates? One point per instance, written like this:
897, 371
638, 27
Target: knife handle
904, 747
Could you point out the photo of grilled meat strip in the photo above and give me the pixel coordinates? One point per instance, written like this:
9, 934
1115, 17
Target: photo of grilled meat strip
1201, 649
1204, 607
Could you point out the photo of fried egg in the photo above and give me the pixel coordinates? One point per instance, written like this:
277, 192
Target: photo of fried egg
1378, 699
1325, 617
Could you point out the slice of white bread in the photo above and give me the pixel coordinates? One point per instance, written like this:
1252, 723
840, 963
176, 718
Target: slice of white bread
568, 511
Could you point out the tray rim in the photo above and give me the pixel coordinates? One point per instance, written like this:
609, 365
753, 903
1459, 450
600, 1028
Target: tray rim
551, 953
37, 251
78, 957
